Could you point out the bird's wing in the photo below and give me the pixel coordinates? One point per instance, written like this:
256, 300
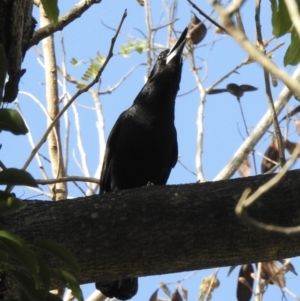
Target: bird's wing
112, 142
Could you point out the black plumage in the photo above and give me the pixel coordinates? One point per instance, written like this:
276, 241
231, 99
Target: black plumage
142, 146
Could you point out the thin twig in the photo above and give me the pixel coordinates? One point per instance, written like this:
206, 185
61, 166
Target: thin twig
67, 179
63, 21
260, 129
201, 12
245, 201
65, 100
246, 129
77, 94
268, 86
254, 53
245, 62
150, 36
200, 118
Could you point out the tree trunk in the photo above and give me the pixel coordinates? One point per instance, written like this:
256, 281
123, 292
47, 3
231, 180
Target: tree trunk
165, 229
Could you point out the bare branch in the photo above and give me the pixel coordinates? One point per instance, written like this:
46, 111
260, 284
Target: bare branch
268, 85
77, 94
54, 139
257, 133
67, 179
254, 53
245, 201
63, 21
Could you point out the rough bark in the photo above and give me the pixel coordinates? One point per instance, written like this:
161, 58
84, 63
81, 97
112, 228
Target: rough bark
16, 29
159, 229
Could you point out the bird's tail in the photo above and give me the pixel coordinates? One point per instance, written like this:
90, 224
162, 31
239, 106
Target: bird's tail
123, 289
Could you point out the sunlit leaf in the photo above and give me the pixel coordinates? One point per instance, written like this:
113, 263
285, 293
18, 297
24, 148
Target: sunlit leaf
80, 86
51, 9
61, 252
12, 121
75, 62
92, 71
14, 176
28, 286
281, 20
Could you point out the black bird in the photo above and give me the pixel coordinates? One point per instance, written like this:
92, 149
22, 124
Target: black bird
142, 146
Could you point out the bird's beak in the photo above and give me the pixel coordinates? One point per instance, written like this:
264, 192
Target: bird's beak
178, 47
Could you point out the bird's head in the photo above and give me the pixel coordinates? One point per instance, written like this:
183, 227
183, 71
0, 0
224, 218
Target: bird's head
170, 60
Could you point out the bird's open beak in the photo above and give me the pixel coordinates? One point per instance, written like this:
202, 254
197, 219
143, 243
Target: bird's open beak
178, 47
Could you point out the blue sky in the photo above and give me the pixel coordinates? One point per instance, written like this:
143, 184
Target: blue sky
223, 126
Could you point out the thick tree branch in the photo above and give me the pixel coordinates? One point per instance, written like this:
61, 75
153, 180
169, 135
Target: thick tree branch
165, 229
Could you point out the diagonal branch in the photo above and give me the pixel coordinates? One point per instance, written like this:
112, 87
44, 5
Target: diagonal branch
63, 21
77, 94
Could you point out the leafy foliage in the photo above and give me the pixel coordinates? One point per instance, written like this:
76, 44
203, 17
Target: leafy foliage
14, 176
131, 46
282, 24
12, 121
93, 68
51, 9
31, 273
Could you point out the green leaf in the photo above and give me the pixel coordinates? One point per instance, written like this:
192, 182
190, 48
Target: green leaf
80, 86
3, 258
75, 62
44, 273
61, 252
3, 68
12, 237
292, 55
12, 121
27, 285
281, 20
100, 59
14, 176
16, 247
69, 281
92, 71
51, 9
10, 205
